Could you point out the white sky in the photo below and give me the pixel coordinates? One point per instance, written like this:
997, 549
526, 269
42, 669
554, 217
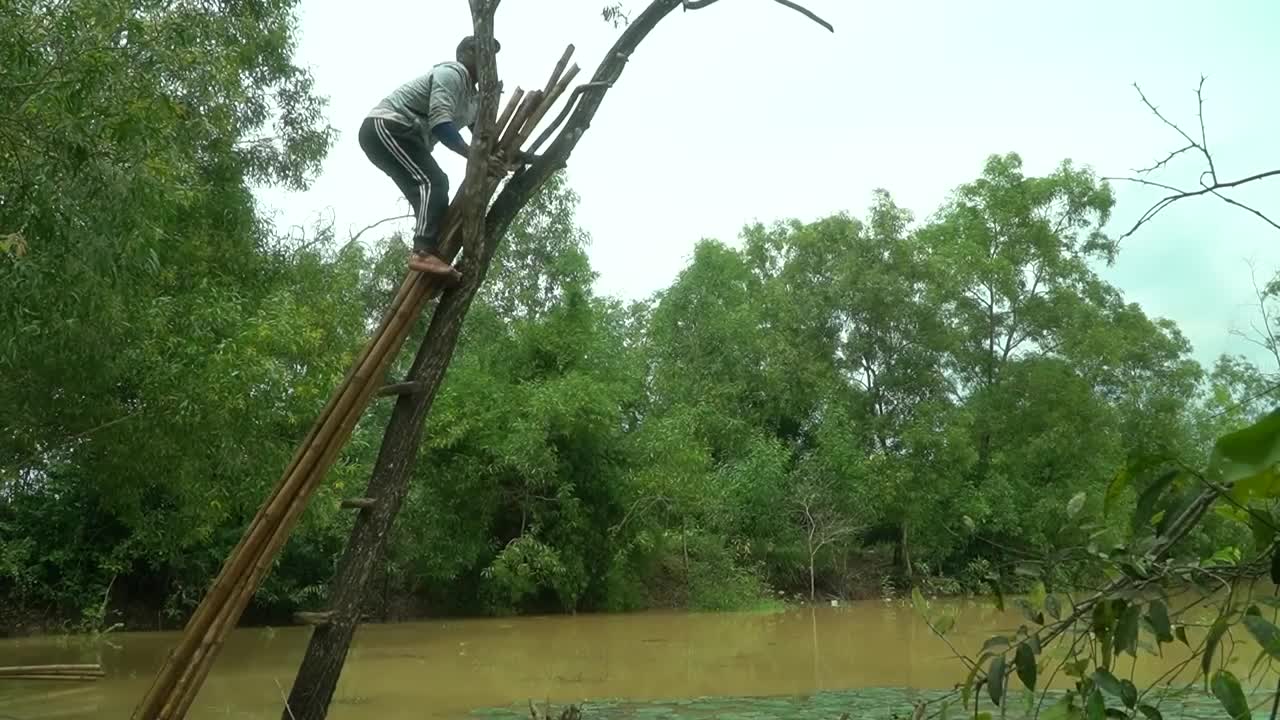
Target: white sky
746, 111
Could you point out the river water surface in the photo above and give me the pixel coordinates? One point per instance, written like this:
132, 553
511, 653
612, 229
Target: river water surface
457, 668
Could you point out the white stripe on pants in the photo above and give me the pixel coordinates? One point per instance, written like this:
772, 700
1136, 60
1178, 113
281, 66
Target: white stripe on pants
424, 183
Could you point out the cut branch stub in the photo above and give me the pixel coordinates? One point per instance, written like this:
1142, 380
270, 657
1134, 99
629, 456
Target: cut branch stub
400, 388
363, 503
314, 619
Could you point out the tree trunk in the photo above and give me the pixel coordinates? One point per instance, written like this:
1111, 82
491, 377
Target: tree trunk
684, 548
900, 547
813, 593
905, 552
318, 675
326, 654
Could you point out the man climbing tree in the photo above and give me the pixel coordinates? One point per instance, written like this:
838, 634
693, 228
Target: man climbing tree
400, 132
476, 225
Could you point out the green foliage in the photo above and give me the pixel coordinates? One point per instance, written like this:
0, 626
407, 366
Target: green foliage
159, 346
995, 679
1265, 632
943, 397
1227, 689
1130, 613
1025, 663
962, 398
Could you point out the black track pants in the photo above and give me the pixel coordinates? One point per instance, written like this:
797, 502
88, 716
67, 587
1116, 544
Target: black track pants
399, 151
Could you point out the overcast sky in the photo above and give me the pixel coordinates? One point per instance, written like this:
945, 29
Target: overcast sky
746, 111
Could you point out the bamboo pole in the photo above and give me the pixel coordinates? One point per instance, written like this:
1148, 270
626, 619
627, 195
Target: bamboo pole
348, 413
512, 103
559, 68
385, 348
203, 664
555, 87
49, 669
529, 104
564, 113
202, 629
545, 105
233, 567
65, 677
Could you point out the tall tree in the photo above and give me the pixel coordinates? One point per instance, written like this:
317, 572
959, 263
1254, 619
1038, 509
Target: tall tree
144, 306
1011, 251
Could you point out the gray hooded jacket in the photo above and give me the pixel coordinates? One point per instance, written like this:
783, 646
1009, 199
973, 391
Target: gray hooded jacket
444, 94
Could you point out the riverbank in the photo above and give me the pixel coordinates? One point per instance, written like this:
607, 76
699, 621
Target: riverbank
866, 575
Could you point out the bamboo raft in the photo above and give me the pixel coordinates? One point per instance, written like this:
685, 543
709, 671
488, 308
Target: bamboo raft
180, 679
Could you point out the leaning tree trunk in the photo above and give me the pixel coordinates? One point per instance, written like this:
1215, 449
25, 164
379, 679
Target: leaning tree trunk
330, 641
318, 675
321, 667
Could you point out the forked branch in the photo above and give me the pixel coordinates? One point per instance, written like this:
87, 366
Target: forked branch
1210, 184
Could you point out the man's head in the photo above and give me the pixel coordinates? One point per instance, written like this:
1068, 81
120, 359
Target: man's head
467, 54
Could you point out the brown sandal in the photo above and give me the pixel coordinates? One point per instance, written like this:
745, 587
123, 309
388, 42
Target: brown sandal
432, 265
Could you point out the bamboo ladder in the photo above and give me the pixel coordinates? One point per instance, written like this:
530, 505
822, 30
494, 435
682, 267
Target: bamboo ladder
181, 677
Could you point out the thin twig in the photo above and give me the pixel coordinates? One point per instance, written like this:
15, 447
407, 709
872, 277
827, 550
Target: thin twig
78, 436
1256, 396
373, 225
284, 699
1156, 111
1241, 205
1162, 163
1204, 139
699, 4
1143, 181
1269, 337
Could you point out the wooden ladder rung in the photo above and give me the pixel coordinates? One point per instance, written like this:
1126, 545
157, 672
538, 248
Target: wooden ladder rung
401, 388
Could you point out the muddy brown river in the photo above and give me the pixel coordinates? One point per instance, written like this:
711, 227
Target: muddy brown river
457, 668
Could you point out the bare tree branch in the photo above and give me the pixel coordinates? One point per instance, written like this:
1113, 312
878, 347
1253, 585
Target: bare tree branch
370, 226
1148, 183
1211, 186
1241, 205
564, 113
1204, 140
1163, 162
699, 4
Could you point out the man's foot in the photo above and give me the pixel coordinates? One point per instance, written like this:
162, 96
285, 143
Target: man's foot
432, 265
